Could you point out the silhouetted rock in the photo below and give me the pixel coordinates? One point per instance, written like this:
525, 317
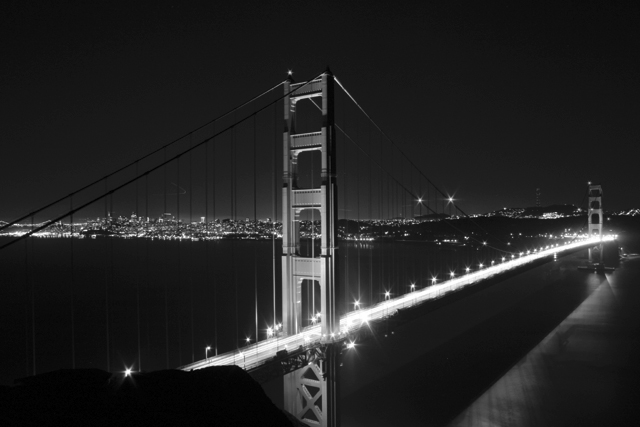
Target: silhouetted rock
216, 396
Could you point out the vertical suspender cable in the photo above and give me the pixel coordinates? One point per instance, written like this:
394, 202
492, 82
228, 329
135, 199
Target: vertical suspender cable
215, 282
166, 290
26, 306
274, 199
347, 294
371, 223
233, 218
206, 222
190, 261
255, 230
178, 228
106, 270
358, 235
138, 275
111, 269
146, 248
33, 308
73, 323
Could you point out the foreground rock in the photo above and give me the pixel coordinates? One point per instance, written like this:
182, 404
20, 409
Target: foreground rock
216, 396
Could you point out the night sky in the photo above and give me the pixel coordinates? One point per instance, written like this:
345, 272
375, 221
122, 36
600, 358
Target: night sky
491, 100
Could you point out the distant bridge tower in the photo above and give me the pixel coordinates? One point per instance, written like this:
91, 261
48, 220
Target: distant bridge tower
310, 393
596, 216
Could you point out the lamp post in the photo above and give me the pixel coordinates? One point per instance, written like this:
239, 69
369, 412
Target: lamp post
206, 353
387, 297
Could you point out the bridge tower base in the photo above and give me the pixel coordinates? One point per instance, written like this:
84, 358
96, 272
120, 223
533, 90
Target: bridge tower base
310, 393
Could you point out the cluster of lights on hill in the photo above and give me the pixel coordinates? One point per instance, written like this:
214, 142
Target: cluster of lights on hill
167, 227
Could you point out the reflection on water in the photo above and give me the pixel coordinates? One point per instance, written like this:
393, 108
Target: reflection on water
573, 376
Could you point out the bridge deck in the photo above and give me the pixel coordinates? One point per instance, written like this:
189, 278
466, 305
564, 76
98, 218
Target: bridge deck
258, 353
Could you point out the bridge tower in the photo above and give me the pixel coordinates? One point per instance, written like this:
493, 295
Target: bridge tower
596, 217
310, 393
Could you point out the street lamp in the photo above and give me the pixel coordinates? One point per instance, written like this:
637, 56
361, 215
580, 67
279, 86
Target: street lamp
413, 287
356, 304
452, 274
206, 351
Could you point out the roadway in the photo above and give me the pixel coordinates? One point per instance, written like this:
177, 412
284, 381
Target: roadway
255, 354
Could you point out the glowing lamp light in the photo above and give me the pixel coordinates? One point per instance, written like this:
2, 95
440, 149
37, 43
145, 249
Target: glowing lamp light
452, 274
351, 345
481, 265
127, 372
433, 280
248, 340
467, 269
387, 294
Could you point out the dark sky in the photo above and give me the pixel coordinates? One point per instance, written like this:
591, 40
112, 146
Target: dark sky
492, 100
